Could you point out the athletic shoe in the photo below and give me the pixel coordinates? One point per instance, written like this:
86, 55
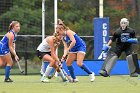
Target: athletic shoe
8, 80
92, 77
44, 79
103, 73
41, 72
134, 74
65, 80
75, 80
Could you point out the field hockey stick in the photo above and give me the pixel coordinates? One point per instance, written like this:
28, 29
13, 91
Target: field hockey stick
64, 58
65, 73
67, 76
101, 55
20, 67
50, 76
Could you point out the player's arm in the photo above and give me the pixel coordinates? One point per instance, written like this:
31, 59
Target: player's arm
73, 41
113, 38
14, 46
11, 46
10, 43
109, 43
52, 47
55, 48
108, 46
133, 39
57, 44
65, 49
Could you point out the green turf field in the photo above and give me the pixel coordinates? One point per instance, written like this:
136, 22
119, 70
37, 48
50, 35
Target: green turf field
32, 84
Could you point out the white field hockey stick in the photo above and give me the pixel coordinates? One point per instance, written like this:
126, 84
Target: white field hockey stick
65, 73
67, 76
50, 76
20, 67
101, 55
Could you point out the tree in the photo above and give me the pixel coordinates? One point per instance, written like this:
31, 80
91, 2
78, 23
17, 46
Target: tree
79, 21
26, 13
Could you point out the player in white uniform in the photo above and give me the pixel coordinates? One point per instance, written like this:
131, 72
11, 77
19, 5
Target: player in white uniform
47, 52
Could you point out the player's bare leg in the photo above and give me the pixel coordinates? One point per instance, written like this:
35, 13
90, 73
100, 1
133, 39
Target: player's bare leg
9, 64
48, 69
80, 58
2, 62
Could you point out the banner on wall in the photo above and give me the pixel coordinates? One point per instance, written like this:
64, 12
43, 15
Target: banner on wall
101, 36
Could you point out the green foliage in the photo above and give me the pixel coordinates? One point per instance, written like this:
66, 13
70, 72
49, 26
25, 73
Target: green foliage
114, 16
77, 20
27, 14
77, 15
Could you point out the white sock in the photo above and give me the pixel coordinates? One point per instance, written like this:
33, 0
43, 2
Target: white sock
48, 70
62, 74
42, 68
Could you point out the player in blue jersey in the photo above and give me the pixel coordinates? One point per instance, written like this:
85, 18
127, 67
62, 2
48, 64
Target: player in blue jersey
7, 46
75, 51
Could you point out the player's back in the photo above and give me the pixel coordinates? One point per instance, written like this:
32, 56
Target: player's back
79, 41
44, 46
4, 41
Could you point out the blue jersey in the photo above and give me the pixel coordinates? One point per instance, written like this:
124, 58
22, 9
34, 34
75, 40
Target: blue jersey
79, 45
4, 47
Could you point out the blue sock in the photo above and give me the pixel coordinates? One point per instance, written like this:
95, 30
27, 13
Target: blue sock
7, 71
71, 71
86, 69
45, 66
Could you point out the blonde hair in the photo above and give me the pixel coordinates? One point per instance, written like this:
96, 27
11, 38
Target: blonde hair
12, 24
56, 39
55, 34
61, 24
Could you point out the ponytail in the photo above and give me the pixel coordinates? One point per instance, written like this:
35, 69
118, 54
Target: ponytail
10, 26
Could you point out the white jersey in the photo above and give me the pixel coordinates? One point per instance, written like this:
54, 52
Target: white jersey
44, 46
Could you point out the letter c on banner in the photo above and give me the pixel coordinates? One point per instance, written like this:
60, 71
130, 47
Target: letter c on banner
104, 25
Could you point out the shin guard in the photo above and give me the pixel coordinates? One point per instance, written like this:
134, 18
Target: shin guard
109, 63
133, 63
